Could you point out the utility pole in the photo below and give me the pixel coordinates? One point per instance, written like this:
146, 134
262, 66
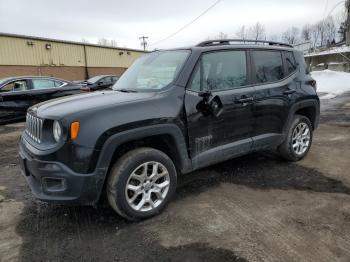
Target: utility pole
143, 40
347, 33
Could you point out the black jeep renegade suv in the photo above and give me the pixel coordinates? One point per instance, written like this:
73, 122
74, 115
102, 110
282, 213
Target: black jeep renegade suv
172, 112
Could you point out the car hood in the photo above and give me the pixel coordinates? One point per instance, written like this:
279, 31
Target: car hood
62, 107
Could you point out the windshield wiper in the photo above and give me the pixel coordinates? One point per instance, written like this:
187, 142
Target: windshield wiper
126, 90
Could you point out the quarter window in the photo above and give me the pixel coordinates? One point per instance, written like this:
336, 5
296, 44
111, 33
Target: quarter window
58, 83
268, 66
221, 71
43, 83
290, 62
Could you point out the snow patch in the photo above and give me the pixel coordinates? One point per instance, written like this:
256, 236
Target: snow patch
331, 83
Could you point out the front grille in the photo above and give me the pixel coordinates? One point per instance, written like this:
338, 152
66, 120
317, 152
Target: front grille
34, 127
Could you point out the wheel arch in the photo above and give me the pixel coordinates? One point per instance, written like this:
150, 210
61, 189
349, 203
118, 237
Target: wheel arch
309, 108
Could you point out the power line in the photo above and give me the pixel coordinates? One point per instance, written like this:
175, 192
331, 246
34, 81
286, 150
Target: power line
188, 24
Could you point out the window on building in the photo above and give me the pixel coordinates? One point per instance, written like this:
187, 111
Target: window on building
268, 66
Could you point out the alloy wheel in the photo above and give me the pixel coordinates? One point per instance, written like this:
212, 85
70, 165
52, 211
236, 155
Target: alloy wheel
147, 186
301, 138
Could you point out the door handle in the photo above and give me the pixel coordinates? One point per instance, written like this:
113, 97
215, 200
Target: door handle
289, 92
245, 100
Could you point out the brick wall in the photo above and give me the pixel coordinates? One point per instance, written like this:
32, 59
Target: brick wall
64, 72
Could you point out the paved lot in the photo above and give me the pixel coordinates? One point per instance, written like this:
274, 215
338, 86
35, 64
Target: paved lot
253, 208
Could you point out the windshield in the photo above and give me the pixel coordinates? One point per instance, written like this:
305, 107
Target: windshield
94, 79
4, 80
153, 71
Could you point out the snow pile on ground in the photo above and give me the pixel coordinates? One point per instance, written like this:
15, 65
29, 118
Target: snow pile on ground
331, 83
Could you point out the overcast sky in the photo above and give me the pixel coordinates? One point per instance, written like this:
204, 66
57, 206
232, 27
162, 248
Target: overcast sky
125, 21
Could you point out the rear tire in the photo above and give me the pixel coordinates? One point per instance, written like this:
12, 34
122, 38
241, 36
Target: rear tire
298, 141
141, 183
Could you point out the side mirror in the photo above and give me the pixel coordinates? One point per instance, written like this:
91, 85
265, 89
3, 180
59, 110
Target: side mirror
215, 106
210, 105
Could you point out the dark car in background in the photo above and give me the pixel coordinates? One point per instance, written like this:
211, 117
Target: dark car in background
100, 82
17, 94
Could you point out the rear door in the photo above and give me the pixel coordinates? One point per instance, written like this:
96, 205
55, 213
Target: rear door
212, 139
15, 99
274, 86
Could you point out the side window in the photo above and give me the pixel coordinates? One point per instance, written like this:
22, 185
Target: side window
15, 86
196, 80
115, 78
58, 83
221, 71
106, 80
43, 83
268, 66
290, 62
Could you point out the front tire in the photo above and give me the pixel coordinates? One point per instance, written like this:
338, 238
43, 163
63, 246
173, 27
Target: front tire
141, 183
298, 141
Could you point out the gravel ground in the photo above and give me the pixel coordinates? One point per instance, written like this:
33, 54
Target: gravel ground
254, 208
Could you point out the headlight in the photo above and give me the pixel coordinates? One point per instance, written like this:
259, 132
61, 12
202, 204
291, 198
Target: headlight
57, 131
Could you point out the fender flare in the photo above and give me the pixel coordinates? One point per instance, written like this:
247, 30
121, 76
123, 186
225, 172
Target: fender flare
300, 105
114, 141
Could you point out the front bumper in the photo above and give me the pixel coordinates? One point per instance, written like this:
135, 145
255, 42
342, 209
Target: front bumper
55, 182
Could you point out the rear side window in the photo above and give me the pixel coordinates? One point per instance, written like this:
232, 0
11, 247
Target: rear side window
58, 83
220, 71
290, 62
268, 66
43, 83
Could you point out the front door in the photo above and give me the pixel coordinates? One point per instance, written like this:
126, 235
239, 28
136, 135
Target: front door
214, 138
15, 99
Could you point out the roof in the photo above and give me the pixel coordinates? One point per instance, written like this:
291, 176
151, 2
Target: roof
69, 42
29, 77
331, 51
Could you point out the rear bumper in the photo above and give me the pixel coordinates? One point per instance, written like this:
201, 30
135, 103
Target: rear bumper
55, 182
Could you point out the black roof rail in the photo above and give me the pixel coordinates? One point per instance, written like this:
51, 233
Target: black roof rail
240, 41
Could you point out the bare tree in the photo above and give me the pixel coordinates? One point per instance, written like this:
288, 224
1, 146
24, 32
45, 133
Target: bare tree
102, 41
222, 35
291, 36
83, 40
257, 32
242, 33
306, 33
106, 42
329, 31
113, 43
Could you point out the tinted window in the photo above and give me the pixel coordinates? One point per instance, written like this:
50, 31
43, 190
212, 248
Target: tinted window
220, 71
290, 62
105, 80
43, 83
15, 86
115, 78
268, 66
196, 80
58, 83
